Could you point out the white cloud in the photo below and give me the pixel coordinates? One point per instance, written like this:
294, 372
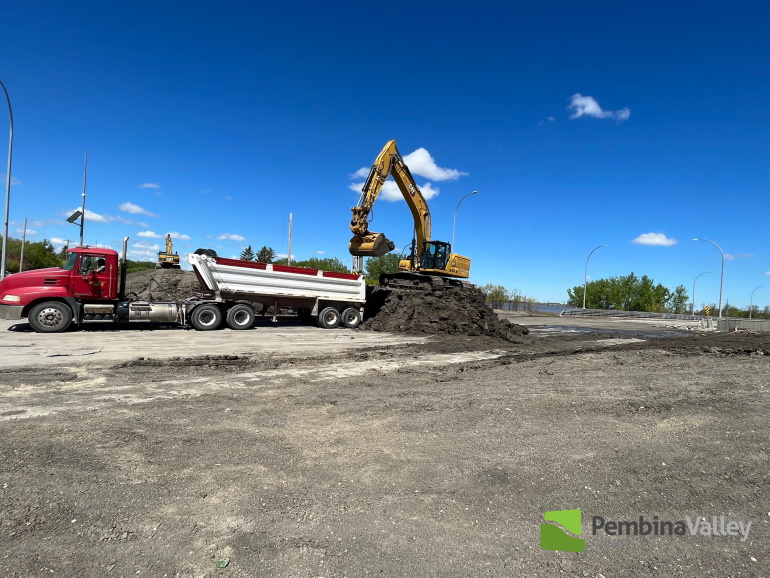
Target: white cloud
57, 241
93, 217
30, 232
319, 252
361, 173
142, 255
284, 255
421, 163
149, 186
230, 237
654, 239
14, 180
390, 191
135, 209
730, 257
587, 106
180, 236
149, 235
767, 272
147, 246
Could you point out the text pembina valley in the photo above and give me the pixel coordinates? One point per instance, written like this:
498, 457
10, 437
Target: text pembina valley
705, 526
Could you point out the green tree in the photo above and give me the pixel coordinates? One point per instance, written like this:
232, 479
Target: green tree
266, 255
496, 295
376, 266
679, 300
133, 266
627, 293
327, 264
247, 254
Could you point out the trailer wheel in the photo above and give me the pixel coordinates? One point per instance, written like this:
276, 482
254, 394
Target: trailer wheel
240, 316
329, 318
351, 318
206, 317
50, 317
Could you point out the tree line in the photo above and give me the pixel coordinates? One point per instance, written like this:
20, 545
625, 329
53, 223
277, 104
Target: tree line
630, 293
499, 297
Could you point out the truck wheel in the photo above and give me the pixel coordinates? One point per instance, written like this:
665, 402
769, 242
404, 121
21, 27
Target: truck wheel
240, 317
329, 318
351, 318
50, 317
206, 317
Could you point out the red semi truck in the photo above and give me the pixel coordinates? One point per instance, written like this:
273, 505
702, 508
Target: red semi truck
91, 288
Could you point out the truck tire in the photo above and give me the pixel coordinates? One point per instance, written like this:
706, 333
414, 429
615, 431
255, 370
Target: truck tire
50, 317
240, 316
351, 318
206, 317
328, 318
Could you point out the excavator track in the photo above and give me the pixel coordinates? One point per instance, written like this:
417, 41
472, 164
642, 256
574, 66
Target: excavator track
421, 282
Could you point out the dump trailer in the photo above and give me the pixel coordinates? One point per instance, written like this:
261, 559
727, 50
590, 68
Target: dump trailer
91, 289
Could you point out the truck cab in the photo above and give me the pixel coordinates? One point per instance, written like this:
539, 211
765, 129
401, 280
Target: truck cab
58, 295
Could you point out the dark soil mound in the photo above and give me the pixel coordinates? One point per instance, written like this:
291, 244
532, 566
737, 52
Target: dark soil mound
457, 311
168, 284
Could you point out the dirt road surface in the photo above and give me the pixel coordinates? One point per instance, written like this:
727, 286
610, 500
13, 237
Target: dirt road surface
292, 451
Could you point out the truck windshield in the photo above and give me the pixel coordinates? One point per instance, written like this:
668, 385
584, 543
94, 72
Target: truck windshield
71, 260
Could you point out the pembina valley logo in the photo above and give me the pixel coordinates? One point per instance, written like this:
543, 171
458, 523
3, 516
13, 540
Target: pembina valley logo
553, 537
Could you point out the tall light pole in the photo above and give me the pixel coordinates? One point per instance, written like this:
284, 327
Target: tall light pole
7, 184
454, 221
692, 309
751, 303
722, 278
83, 207
585, 277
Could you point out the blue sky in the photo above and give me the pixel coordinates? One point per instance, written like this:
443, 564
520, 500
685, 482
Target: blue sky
579, 124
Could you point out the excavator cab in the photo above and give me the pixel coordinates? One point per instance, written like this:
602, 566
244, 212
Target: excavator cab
435, 255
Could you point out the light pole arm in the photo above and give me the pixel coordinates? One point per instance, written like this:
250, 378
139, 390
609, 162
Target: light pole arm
454, 220
722, 278
585, 276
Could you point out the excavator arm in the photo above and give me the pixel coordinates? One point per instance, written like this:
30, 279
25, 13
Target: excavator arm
366, 243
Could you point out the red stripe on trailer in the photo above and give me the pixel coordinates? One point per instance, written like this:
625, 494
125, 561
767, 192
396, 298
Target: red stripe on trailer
300, 270
335, 275
239, 263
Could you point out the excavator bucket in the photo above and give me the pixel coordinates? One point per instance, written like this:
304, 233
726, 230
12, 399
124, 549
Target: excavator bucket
370, 245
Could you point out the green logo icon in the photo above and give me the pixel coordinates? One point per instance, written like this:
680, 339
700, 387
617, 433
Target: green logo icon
554, 538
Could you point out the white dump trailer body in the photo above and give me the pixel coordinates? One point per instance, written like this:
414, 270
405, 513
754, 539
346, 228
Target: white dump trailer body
329, 297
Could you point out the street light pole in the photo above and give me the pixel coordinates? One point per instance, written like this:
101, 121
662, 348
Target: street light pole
751, 303
722, 278
454, 221
83, 208
585, 276
692, 309
7, 184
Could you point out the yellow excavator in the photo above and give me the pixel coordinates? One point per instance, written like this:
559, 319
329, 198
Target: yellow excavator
431, 264
168, 259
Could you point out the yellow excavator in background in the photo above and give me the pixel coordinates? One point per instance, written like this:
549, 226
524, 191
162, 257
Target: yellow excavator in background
168, 259
431, 264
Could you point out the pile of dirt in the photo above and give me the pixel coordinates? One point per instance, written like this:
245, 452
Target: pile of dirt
167, 284
457, 311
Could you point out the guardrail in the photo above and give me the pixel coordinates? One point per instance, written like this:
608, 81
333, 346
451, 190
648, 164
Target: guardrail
578, 312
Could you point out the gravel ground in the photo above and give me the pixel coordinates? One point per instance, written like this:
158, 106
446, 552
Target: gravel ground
379, 454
